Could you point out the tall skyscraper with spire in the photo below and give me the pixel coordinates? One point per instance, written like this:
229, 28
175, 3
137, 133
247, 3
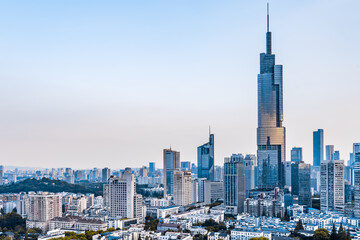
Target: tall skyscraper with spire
270, 132
206, 159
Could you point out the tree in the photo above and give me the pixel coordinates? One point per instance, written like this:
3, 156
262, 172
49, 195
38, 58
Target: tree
348, 236
286, 217
199, 237
299, 226
333, 235
341, 233
321, 234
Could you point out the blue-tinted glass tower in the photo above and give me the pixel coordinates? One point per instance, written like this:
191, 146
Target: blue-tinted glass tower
151, 167
318, 147
171, 164
206, 159
296, 154
185, 166
270, 132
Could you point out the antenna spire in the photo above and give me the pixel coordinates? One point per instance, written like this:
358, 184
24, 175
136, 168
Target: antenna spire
268, 33
268, 17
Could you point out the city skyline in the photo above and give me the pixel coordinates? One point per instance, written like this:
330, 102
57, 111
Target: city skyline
64, 110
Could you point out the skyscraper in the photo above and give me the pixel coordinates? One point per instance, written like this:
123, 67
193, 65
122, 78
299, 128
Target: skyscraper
351, 164
329, 152
151, 167
171, 164
304, 194
356, 167
296, 154
288, 165
356, 149
105, 174
206, 159
332, 188
121, 196
249, 171
270, 132
234, 188
185, 166
295, 178
318, 147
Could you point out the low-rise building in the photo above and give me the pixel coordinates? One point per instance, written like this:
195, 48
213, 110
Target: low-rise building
77, 224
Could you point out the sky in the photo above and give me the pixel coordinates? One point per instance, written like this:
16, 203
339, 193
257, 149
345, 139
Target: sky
88, 84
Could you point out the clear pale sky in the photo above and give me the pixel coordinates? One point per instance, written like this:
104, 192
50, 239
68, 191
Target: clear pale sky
112, 83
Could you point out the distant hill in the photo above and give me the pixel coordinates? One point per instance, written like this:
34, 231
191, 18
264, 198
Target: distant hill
48, 185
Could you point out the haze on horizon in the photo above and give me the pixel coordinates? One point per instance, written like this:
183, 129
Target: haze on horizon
110, 83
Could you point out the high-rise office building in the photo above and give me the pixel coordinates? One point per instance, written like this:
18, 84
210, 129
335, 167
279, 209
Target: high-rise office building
351, 163
301, 182
315, 178
295, 178
356, 149
194, 190
218, 175
216, 191
288, 173
105, 174
185, 166
249, 172
70, 178
234, 188
356, 167
1, 174
182, 188
205, 155
337, 155
171, 164
304, 194
296, 154
332, 186
202, 189
318, 147
143, 171
329, 152
270, 132
194, 170
120, 195
151, 167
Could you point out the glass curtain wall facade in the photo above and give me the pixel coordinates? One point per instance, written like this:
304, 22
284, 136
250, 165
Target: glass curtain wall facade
234, 188
206, 160
318, 147
171, 164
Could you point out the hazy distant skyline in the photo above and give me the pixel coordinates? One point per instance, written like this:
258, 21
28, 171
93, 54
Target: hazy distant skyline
111, 83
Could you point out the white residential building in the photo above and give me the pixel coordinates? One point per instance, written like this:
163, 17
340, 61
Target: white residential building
41, 208
182, 188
